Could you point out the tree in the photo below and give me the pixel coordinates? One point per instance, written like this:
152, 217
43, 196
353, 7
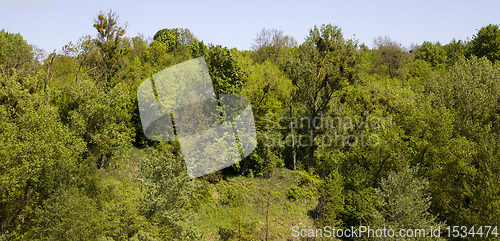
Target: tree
432, 53
169, 37
100, 119
331, 200
392, 54
108, 42
487, 42
15, 53
455, 50
267, 88
38, 152
405, 202
68, 215
470, 180
186, 37
324, 64
174, 38
270, 43
167, 195
224, 70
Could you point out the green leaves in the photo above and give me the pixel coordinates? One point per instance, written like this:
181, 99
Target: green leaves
109, 44
98, 118
405, 202
487, 43
38, 153
322, 66
224, 70
432, 53
167, 196
169, 37
391, 54
15, 53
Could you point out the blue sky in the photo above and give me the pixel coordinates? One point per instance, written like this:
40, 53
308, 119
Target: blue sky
236, 23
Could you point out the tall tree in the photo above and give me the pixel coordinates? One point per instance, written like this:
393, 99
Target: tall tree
108, 42
15, 53
434, 54
324, 64
405, 202
270, 43
169, 37
487, 42
224, 70
392, 54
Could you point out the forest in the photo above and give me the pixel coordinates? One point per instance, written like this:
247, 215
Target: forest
348, 135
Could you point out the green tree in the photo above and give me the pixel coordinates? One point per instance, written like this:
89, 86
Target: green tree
330, 207
109, 44
470, 90
392, 54
323, 65
432, 53
486, 42
168, 193
405, 203
38, 152
455, 50
267, 88
224, 70
101, 119
271, 43
68, 215
169, 37
15, 53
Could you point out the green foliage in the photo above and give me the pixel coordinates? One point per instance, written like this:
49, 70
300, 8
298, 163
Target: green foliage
110, 47
157, 54
69, 215
432, 53
486, 43
198, 49
38, 154
305, 187
167, 196
224, 70
391, 54
97, 117
405, 202
168, 37
15, 53
331, 201
265, 157
472, 175
142, 236
122, 216
455, 50
67, 123
469, 84
419, 69
321, 67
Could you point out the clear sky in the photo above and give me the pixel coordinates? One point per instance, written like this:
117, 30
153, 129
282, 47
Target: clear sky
236, 23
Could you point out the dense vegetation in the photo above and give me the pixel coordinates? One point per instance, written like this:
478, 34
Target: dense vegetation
347, 136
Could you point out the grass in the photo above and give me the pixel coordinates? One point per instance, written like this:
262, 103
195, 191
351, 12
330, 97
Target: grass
260, 203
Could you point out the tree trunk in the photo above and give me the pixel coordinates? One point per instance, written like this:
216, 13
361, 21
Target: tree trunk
246, 159
293, 137
311, 143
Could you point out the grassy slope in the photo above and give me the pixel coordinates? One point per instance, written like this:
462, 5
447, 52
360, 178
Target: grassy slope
238, 201
242, 200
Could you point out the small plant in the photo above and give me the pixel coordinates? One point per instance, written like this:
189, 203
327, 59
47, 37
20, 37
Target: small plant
305, 187
250, 173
